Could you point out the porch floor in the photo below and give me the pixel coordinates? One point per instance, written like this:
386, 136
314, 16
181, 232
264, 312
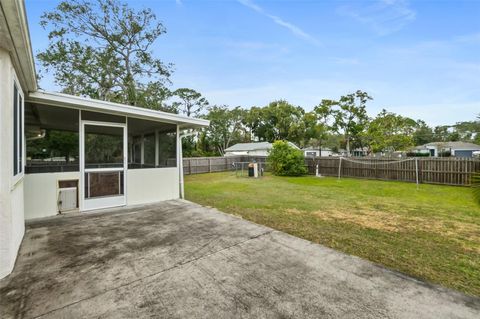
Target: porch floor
177, 259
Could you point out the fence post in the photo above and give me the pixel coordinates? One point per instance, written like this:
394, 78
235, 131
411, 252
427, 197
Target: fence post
416, 170
339, 167
209, 165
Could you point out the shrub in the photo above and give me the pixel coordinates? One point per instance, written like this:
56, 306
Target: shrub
286, 160
418, 154
444, 154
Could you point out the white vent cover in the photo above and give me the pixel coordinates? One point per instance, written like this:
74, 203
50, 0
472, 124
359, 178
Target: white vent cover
67, 199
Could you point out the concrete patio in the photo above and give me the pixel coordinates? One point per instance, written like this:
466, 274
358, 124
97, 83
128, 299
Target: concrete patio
179, 260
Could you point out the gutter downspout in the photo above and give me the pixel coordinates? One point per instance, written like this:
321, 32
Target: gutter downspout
180, 162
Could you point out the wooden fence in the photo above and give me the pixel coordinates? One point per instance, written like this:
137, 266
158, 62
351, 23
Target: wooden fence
446, 171
198, 165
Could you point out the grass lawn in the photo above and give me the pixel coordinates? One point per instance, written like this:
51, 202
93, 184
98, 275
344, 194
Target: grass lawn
432, 233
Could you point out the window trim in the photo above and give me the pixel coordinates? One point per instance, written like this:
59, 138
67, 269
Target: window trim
20, 127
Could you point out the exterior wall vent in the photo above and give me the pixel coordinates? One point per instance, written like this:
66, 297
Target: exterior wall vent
67, 196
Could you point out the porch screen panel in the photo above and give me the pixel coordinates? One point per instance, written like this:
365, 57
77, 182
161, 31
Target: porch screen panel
149, 150
103, 147
100, 184
52, 141
167, 148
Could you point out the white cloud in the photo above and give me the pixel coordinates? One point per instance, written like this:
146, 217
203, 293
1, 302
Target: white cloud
297, 31
473, 38
383, 16
345, 61
251, 5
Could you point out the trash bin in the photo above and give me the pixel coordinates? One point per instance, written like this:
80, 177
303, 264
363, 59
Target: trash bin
251, 170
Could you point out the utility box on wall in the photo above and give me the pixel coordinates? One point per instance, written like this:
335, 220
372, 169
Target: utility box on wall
67, 195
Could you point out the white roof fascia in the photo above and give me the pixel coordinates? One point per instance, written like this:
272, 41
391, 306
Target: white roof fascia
15, 37
87, 104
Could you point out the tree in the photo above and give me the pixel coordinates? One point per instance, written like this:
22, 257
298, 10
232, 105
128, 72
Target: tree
254, 123
55, 144
155, 97
313, 131
423, 134
191, 102
102, 49
351, 117
286, 160
225, 126
390, 132
317, 132
279, 121
445, 133
468, 131
477, 135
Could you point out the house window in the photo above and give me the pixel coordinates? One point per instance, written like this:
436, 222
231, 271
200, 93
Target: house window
17, 131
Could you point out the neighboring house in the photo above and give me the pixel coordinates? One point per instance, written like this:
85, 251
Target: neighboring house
457, 149
252, 149
355, 152
125, 155
315, 152
360, 152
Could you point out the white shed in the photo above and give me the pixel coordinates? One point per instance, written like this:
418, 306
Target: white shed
252, 149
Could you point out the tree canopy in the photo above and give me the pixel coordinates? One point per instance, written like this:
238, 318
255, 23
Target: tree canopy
102, 49
390, 132
351, 117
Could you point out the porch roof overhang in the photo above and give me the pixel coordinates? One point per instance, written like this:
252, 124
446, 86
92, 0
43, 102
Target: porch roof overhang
87, 104
15, 38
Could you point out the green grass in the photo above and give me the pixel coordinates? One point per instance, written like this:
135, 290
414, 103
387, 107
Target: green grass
432, 232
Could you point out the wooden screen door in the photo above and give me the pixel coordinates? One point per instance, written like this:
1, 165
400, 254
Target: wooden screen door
103, 164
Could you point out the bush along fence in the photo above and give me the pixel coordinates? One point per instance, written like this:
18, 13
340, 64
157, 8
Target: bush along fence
446, 171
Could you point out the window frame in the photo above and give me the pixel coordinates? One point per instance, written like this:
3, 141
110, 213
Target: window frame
18, 127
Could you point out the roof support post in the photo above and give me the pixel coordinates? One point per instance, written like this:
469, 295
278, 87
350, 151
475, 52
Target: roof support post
180, 159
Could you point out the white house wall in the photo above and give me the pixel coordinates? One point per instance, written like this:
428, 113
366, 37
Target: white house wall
41, 193
12, 224
258, 153
143, 186
152, 185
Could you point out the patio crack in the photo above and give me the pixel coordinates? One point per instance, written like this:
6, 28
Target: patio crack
175, 266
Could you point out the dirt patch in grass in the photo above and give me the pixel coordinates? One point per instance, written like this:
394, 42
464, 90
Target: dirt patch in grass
386, 221
369, 219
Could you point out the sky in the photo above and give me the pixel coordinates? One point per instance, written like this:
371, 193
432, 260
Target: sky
420, 59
